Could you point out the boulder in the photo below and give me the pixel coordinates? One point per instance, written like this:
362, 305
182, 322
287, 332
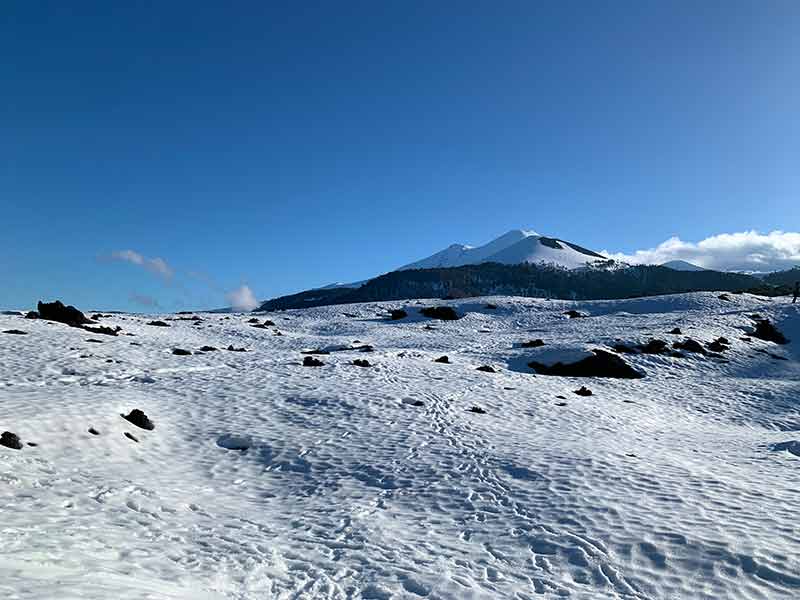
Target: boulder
491, 306
132, 437
766, 331
310, 361
398, 314
690, 345
443, 359
208, 349
138, 418
601, 364
477, 410
443, 313
532, 344
56, 311
583, 391
15, 332
10, 440
93, 431
32, 314
102, 330
180, 352
574, 314
158, 324
232, 348
361, 363
675, 331
718, 345
655, 347
486, 369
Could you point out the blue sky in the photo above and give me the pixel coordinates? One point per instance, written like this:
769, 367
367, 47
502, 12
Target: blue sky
292, 146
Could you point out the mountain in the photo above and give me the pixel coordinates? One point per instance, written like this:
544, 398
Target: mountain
514, 247
524, 279
682, 265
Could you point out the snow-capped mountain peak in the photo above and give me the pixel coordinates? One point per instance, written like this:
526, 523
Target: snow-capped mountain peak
513, 247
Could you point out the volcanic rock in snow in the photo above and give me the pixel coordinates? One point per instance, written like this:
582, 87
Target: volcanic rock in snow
532, 344
602, 364
138, 418
159, 324
477, 410
310, 361
15, 332
398, 314
443, 359
486, 369
10, 440
443, 313
766, 331
56, 311
361, 363
180, 352
583, 391
690, 345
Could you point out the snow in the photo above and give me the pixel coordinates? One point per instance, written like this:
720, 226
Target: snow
682, 484
682, 265
514, 247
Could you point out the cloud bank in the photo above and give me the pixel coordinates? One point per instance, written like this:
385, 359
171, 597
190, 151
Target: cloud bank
242, 299
157, 266
745, 251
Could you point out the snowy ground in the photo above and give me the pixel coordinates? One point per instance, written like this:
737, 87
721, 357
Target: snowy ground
664, 487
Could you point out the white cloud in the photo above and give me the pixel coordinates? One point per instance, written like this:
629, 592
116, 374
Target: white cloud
156, 265
745, 251
242, 299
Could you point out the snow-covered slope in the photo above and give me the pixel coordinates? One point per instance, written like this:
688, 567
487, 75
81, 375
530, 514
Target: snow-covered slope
682, 265
378, 482
514, 247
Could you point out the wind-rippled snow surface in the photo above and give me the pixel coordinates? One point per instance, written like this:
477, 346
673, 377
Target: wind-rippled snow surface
683, 484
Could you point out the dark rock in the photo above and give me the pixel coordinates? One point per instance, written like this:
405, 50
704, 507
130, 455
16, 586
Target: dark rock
443, 313
94, 341
602, 364
208, 349
718, 345
32, 444
93, 431
361, 363
15, 332
364, 348
429, 328
690, 345
322, 352
130, 436
417, 403
561, 403
103, 330
310, 361
253, 320
655, 347
746, 339
232, 348
269, 323
486, 369
574, 314
532, 344
398, 314
477, 410
56, 311
491, 306
32, 315
443, 359
180, 352
583, 391
159, 324
725, 297
624, 349
768, 332
10, 440
138, 418
676, 331
97, 316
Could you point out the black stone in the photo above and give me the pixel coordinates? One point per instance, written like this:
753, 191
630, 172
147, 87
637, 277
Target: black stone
574, 314
310, 361
398, 314
768, 332
477, 410
180, 352
32, 315
486, 369
532, 344
159, 324
443, 313
443, 359
583, 391
676, 331
602, 364
361, 363
93, 431
208, 349
130, 436
15, 332
10, 440
690, 345
138, 418
56, 311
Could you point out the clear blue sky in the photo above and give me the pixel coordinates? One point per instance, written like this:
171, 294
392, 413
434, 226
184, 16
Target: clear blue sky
292, 146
